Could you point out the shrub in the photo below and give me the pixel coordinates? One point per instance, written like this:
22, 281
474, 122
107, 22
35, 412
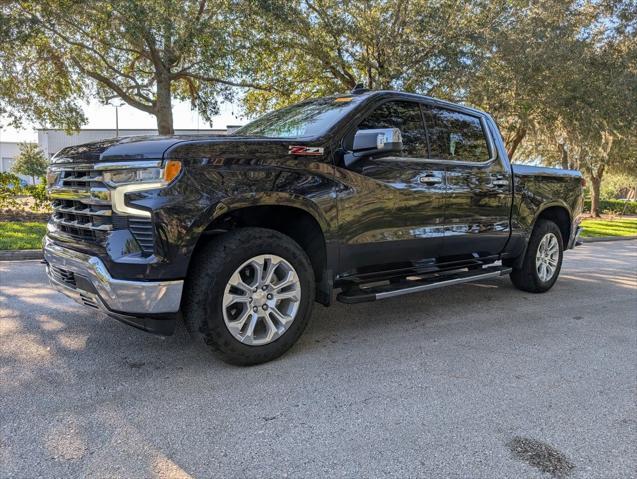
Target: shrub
613, 206
38, 193
10, 189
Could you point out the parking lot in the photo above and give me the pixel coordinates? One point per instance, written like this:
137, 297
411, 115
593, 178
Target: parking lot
474, 381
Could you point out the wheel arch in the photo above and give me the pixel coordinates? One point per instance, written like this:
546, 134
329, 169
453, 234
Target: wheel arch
295, 217
560, 214
555, 211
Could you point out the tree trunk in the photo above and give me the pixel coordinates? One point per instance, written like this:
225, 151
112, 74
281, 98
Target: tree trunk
596, 182
164, 110
563, 155
33, 180
515, 142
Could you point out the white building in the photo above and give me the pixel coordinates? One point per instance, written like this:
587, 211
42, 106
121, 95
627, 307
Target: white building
53, 140
9, 151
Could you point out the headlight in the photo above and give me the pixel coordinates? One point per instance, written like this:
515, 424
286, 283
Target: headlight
134, 177
158, 176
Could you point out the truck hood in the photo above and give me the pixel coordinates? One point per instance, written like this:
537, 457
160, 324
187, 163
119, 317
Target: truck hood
150, 147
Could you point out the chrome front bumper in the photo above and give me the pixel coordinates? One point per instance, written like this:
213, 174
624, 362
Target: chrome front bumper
85, 279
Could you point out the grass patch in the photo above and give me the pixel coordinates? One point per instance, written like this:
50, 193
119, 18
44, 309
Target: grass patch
600, 227
21, 235
28, 235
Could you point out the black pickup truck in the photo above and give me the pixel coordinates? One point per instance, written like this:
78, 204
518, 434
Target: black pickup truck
375, 194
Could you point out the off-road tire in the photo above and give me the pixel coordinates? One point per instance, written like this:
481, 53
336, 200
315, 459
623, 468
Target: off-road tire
211, 269
526, 277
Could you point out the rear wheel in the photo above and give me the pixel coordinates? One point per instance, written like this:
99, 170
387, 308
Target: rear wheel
249, 295
542, 261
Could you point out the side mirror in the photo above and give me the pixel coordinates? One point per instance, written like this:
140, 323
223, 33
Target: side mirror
379, 140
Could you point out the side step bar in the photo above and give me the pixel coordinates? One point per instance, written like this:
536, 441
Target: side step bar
373, 293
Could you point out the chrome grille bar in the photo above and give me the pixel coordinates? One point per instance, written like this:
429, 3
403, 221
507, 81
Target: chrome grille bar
81, 202
79, 224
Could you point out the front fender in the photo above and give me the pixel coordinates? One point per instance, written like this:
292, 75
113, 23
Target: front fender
272, 198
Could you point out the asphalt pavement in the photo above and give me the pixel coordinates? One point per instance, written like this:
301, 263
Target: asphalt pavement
473, 381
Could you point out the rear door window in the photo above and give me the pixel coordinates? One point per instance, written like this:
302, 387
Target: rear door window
455, 136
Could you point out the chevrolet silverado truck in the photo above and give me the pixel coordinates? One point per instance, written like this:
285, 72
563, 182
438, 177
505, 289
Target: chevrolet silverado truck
361, 196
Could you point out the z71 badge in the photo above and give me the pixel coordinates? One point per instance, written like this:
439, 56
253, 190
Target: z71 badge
305, 150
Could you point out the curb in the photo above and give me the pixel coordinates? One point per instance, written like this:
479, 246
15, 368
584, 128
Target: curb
21, 254
602, 239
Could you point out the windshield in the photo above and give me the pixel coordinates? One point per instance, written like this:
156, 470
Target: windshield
309, 118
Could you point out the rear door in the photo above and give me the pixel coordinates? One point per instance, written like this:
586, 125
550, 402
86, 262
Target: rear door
392, 210
478, 186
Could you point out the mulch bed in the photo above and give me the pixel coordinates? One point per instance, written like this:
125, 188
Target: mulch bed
23, 215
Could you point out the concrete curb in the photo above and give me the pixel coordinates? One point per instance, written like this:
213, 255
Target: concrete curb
601, 239
21, 254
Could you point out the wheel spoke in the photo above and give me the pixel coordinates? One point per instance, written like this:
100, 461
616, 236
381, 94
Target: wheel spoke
289, 280
272, 266
257, 265
249, 335
237, 282
292, 294
284, 319
271, 329
230, 298
235, 327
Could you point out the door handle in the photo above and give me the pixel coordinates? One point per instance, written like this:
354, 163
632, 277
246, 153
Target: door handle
500, 182
430, 180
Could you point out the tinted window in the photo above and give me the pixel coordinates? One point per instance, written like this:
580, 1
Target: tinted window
455, 136
405, 116
310, 118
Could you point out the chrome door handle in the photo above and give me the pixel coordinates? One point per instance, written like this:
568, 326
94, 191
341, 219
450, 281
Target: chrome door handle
500, 182
430, 180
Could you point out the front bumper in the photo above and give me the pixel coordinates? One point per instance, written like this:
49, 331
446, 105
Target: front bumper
152, 306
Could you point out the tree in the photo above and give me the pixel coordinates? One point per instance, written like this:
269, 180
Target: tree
304, 48
598, 112
31, 161
528, 59
146, 52
34, 86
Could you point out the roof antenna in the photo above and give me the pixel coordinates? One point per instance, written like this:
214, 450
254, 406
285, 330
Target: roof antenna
359, 88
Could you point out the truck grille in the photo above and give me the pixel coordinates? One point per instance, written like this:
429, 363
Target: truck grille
81, 204
82, 208
87, 222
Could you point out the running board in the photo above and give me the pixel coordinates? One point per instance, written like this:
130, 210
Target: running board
373, 293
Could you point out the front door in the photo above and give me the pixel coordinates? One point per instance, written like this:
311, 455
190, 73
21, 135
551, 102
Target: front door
391, 209
479, 186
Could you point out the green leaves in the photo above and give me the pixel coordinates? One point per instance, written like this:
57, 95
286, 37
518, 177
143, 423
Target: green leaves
31, 161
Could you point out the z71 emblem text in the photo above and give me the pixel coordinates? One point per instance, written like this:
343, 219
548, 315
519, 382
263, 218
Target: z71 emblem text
305, 150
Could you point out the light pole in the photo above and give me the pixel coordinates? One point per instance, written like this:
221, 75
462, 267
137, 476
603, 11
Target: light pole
117, 105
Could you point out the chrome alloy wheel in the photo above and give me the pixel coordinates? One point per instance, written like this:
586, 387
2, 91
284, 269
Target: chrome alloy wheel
261, 299
547, 256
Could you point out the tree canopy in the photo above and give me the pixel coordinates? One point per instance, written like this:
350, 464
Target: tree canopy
559, 76
145, 52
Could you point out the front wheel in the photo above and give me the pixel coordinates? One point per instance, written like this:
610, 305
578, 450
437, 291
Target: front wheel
542, 260
249, 295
